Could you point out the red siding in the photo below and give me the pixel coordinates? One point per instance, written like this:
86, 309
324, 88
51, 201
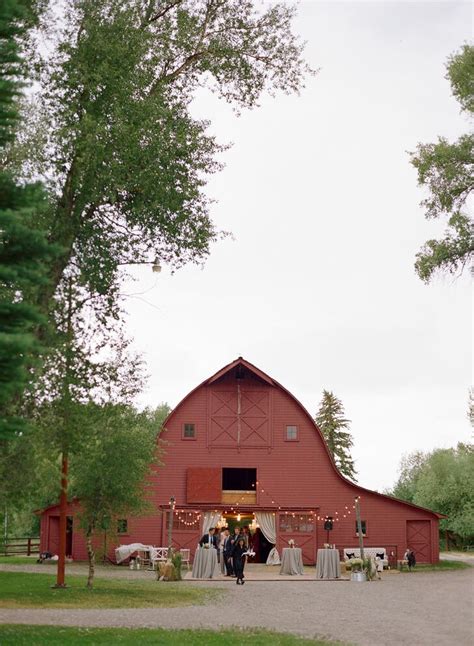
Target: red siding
292, 475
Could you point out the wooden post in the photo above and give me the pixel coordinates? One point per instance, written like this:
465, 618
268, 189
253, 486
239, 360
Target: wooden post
170, 526
60, 578
359, 527
66, 396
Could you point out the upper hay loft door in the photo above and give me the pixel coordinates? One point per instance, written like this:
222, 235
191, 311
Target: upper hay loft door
239, 416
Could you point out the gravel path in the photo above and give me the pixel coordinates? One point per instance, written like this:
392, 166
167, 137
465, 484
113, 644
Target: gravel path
431, 608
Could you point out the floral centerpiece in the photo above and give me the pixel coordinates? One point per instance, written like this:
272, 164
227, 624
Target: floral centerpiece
355, 564
291, 542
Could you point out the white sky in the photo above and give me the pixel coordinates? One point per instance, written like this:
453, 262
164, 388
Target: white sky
318, 288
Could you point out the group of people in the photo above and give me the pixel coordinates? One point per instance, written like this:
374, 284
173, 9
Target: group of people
232, 550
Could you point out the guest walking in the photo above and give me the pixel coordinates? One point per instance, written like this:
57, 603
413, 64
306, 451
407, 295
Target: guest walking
239, 559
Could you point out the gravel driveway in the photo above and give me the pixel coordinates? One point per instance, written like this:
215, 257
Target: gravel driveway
432, 608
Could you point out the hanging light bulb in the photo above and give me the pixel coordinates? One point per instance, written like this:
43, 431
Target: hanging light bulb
238, 518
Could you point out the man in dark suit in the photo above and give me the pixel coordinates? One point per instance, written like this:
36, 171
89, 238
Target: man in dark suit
228, 544
210, 538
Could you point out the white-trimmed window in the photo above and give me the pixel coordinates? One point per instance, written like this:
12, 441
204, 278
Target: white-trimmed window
189, 431
291, 434
364, 528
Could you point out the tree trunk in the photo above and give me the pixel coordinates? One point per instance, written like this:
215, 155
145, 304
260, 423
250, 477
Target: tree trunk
91, 558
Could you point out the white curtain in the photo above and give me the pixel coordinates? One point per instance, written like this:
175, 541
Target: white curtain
266, 520
210, 519
273, 557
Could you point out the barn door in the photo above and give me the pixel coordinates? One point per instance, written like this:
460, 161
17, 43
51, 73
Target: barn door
53, 534
239, 417
203, 484
419, 539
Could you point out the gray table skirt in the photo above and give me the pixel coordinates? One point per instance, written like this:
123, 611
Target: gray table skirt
291, 561
328, 565
205, 563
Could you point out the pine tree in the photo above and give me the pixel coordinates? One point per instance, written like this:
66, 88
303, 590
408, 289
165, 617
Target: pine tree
332, 422
24, 249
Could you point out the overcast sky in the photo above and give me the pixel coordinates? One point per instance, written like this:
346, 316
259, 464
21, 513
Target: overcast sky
317, 288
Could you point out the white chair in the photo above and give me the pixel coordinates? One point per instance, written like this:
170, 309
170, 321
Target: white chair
158, 554
185, 557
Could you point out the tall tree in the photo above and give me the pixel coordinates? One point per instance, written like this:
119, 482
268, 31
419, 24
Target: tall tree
334, 426
442, 480
24, 250
446, 170
125, 160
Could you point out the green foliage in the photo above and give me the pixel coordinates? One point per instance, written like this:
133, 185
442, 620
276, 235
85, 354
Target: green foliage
446, 169
109, 472
331, 421
176, 559
461, 76
24, 250
125, 161
442, 481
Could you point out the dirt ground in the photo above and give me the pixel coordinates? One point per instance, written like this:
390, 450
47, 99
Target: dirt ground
412, 609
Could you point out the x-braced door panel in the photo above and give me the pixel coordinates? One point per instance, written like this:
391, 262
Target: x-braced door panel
239, 418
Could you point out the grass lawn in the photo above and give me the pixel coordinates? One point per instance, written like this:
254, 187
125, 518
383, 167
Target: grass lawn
18, 560
18, 635
24, 590
436, 567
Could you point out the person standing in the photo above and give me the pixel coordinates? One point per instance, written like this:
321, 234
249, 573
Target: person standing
227, 553
210, 538
222, 537
239, 559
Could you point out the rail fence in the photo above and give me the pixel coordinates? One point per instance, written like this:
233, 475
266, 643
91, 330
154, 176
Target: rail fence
20, 546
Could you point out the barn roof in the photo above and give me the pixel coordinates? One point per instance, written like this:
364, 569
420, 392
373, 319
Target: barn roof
240, 362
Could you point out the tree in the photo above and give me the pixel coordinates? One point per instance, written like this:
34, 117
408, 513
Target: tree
124, 160
446, 169
442, 480
109, 474
331, 421
24, 250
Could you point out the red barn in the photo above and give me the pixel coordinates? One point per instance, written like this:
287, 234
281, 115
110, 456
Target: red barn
241, 446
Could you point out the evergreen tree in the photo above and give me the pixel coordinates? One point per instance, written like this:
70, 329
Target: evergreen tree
332, 422
24, 250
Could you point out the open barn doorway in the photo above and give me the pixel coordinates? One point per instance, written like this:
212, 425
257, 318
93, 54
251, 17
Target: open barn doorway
258, 542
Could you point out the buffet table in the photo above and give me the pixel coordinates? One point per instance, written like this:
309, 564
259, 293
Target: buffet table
328, 565
205, 563
291, 561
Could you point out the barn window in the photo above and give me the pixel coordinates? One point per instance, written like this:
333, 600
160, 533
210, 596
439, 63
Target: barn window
239, 479
296, 523
291, 433
364, 528
122, 526
189, 431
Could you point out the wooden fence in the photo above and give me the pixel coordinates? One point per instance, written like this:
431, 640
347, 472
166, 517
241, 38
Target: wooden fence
20, 546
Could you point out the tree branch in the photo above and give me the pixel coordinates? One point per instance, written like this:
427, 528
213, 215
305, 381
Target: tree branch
163, 12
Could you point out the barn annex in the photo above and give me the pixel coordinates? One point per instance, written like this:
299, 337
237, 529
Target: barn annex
242, 447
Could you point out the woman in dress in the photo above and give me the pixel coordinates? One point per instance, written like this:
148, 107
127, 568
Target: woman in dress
239, 560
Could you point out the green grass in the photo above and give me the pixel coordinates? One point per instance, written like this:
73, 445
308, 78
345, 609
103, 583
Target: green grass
437, 567
18, 560
18, 635
24, 590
